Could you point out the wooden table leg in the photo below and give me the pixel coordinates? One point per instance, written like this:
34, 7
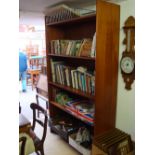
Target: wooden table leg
32, 81
34, 76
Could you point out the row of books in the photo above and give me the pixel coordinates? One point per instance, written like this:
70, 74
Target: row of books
77, 107
77, 78
114, 142
84, 48
60, 13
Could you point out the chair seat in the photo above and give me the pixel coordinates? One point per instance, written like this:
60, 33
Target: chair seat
33, 153
29, 147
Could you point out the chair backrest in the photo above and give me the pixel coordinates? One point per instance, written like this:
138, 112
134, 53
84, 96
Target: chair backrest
41, 87
20, 108
35, 107
36, 62
22, 140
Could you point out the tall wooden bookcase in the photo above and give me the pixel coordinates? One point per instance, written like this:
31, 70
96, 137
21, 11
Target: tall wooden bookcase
106, 25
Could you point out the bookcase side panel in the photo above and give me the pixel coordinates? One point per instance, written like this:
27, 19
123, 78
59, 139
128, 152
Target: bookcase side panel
52, 33
107, 34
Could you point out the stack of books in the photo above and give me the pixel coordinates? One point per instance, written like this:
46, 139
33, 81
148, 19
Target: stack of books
81, 108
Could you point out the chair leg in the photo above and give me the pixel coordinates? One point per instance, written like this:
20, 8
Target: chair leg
37, 153
46, 104
37, 104
42, 151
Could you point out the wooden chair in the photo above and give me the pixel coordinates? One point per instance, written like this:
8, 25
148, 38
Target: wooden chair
37, 64
22, 140
38, 143
41, 90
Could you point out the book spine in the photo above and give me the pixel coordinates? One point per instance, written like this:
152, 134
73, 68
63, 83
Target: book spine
53, 71
72, 77
93, 48
76, 79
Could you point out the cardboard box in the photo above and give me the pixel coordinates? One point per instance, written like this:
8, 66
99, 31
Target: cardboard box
77, 146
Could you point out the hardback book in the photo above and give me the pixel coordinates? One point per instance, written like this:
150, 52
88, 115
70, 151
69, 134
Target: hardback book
76, 48
63, 46
93, 48
54, 70
69, 47
76, 79
56, 66
82, 78
52, 42
61, 74
72, 76
68, 76
79, 81
71, 52
82, 81
85, 49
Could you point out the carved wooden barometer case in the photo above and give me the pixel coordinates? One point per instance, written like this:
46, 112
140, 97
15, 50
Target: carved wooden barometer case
127, 62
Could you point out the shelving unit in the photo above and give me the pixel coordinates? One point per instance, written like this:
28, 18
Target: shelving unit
106, 25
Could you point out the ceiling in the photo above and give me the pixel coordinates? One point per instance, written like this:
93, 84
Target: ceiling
31, 11
40, 5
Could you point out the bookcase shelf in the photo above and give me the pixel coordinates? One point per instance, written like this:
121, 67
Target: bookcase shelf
74, 91
101, 71
74, 115
72, 57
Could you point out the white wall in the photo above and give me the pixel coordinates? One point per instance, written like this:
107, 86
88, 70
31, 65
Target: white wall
32, 18
125, 119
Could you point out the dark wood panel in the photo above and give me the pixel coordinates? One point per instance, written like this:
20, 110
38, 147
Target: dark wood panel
106, 65
80, 31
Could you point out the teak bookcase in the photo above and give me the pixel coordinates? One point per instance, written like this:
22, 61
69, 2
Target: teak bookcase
106, 25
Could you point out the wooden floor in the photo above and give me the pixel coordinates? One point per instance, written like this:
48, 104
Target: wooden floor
53, 145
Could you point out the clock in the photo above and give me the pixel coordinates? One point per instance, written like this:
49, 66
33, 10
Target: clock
127, 63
